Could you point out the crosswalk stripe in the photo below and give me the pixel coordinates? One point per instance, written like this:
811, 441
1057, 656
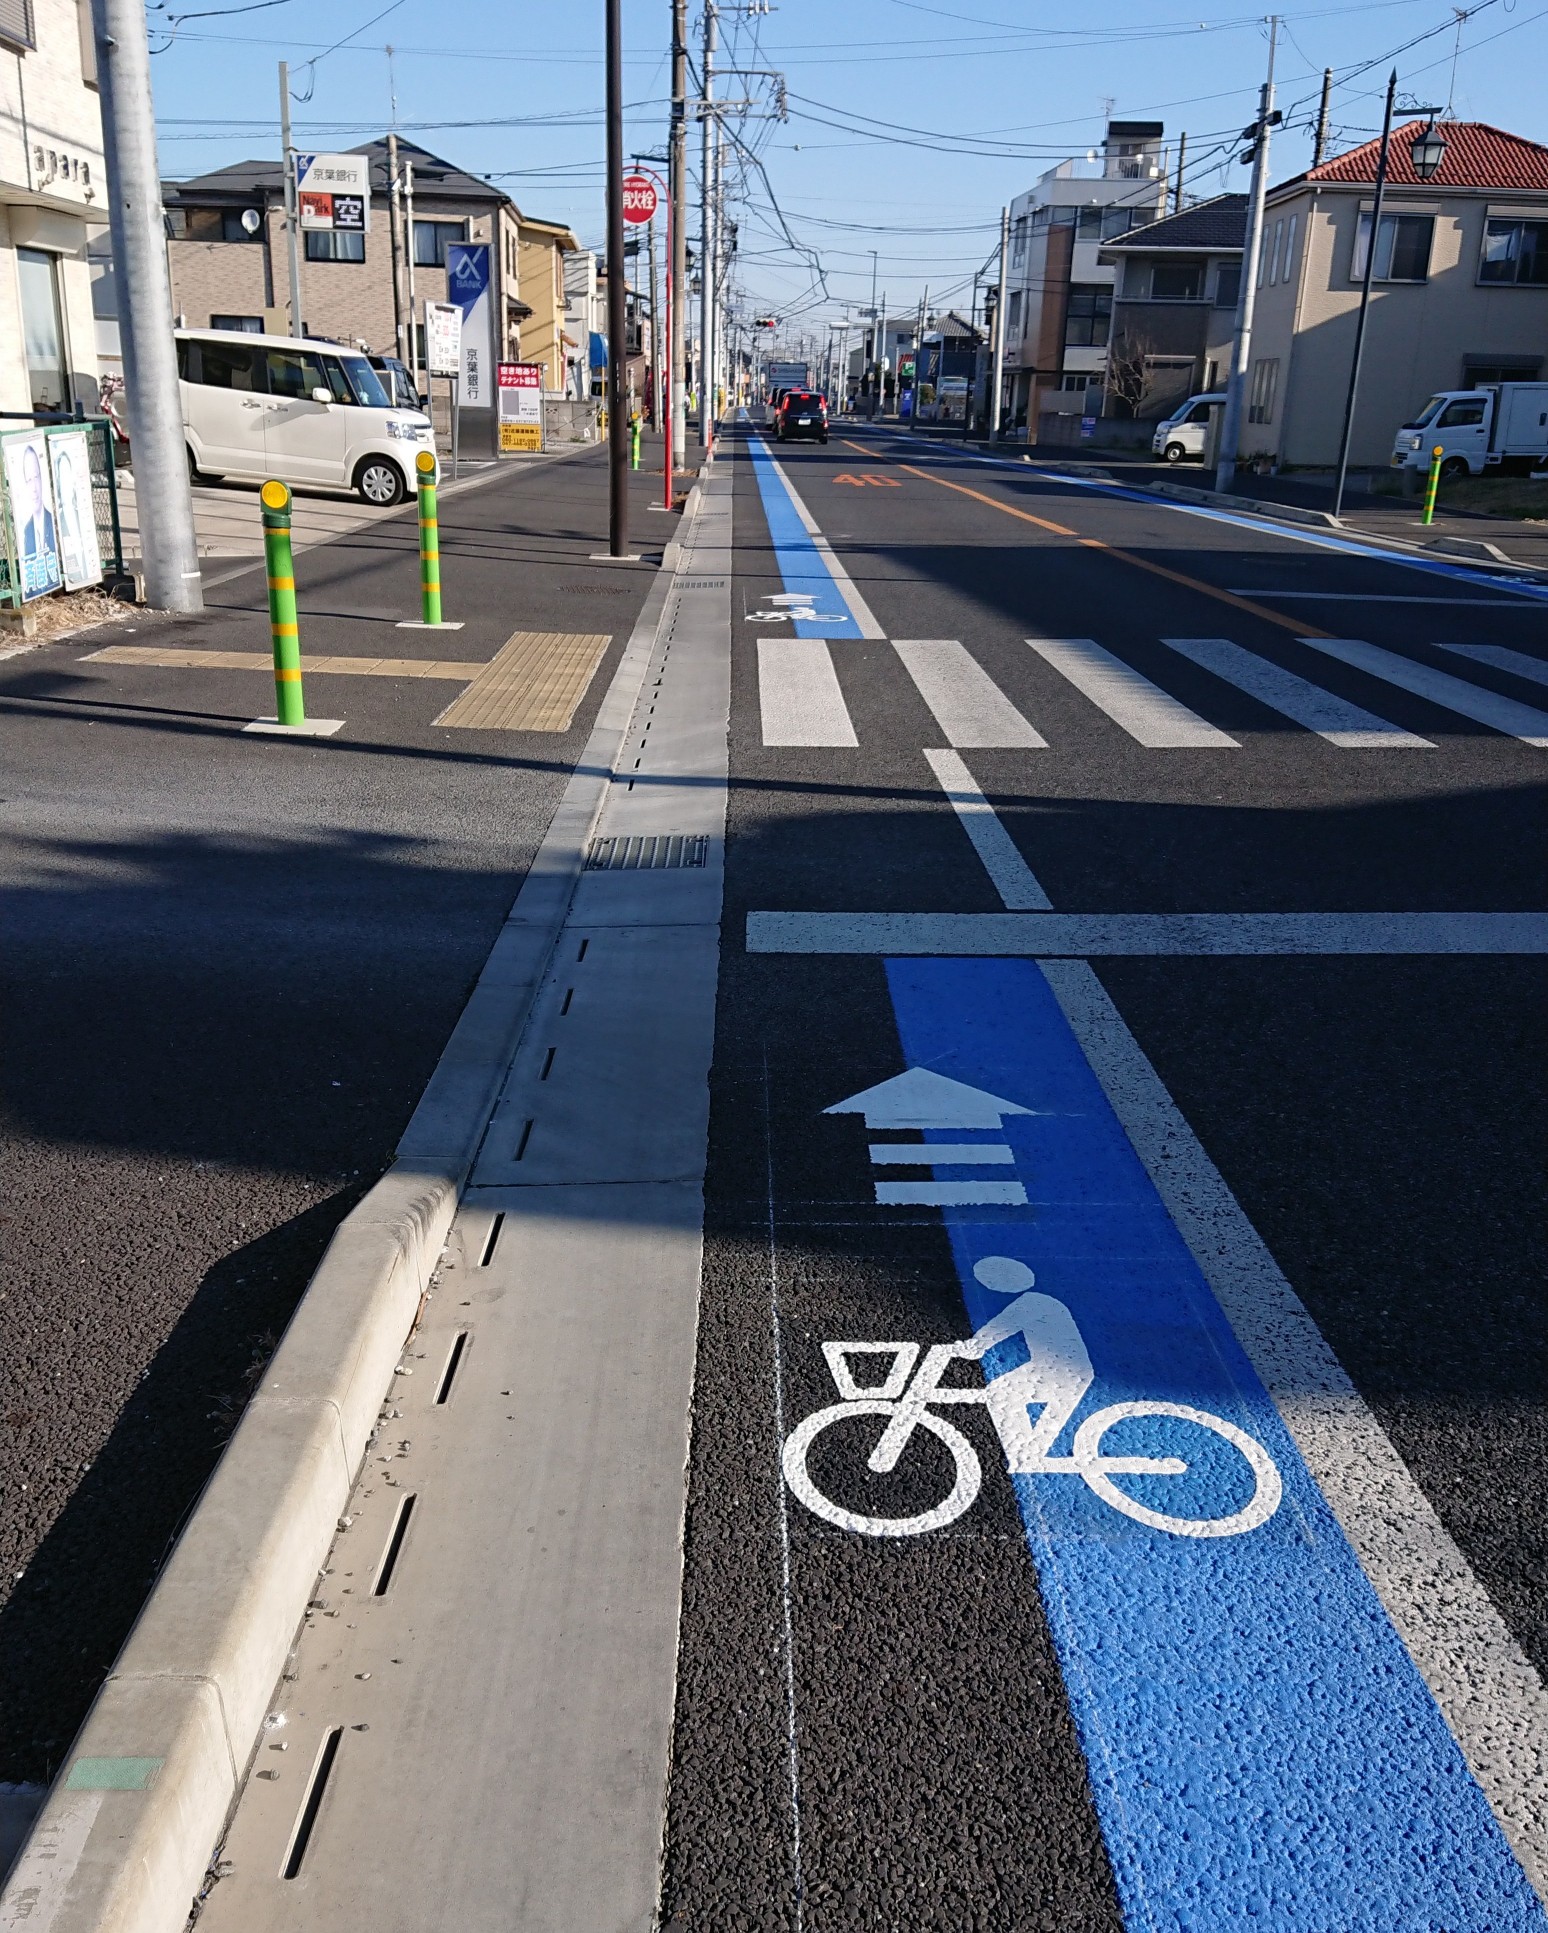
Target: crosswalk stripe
1147, 713
1503, 659
1329, 716
799, 697
1472, 701
1012, 878
969, 706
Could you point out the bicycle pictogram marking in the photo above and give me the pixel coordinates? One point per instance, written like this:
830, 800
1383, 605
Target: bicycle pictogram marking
1054, 1380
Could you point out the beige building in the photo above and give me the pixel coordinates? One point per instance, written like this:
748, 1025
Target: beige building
53, 198
1459, 292
230, 267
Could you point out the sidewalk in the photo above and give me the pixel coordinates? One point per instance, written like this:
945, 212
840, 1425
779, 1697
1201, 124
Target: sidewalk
236, 961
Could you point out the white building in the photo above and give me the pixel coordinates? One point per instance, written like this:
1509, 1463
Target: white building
53, 198
1059, 297
584, 324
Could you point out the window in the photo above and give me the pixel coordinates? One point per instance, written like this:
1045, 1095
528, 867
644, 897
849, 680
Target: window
1013, 314
1269, 260
295, 372
1402, 248
1080, 380
1458, 416
215, 225
430, 239
1089, 316
1287, 265
42, 328
250, 325
367, 386
16, 24
88, 41
1228, 285
1118, 221
1019, 241
1176, 281
1265, 380
335, 245
1478, 370
226, 365
1515, 251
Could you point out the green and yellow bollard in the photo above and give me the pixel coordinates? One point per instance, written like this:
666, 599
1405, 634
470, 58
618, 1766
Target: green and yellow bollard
634, 442
429, 541
289, 706
1432, 485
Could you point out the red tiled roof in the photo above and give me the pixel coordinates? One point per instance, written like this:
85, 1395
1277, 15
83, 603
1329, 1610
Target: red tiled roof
1477, 156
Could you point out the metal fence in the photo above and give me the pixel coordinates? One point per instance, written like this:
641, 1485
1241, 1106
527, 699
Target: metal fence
15, 587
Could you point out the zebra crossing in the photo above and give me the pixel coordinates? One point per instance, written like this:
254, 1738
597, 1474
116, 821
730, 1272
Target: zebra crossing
802, 701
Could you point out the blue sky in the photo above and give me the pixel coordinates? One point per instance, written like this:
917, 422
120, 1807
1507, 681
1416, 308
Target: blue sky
908, 124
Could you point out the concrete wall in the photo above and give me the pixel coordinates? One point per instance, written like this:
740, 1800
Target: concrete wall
1418, 334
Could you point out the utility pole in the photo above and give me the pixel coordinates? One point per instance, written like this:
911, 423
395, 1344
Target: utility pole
617, 351
1320, 145
677, 187
1182, 157
873, 355
1373, 242
292, 217
1241, 347
138, 224
395, 225
707, 240
999, 329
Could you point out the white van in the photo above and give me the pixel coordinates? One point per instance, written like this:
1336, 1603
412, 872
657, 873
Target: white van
304, 411
1182, 434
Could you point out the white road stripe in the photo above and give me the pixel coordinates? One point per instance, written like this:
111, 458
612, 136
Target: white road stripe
1381, 597
859, 610
1330, 717
1144, 710
1012, 877
936, 1154
969, 706
1133, 935
1503, 659
799, 696
1472, 701
951, 1194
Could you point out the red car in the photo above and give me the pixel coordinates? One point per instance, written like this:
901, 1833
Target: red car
802, 412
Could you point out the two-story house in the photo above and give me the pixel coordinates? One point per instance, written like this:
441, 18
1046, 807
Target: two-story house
1459, 292
1174, 306
53, 197
1059, 293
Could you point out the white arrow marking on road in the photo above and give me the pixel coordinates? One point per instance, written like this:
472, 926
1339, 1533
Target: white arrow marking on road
920, 1099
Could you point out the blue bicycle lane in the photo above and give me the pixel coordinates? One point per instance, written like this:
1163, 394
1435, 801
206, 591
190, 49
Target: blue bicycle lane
1261, 1747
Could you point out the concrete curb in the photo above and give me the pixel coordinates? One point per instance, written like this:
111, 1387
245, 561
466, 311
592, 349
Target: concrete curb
1290, 513
126, 1834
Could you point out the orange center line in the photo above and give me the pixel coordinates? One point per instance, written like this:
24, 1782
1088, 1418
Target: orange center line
1297, 626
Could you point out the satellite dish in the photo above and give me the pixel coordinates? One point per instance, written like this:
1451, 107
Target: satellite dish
252, 221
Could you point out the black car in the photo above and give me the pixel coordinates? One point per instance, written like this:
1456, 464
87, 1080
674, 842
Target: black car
802, 412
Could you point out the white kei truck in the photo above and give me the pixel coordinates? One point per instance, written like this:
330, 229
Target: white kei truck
1501, 427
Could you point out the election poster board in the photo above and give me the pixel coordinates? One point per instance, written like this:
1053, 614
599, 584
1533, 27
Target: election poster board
469, 283
29, 503
521, 406
75, 516
333, 191
443, 339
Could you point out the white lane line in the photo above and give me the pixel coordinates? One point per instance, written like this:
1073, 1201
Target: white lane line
1472, 701
799, 697
969, 706
935, 1154
1488, 1692
1330, 717
950, 1194
1146, 712
1380, 597
1136, 935
859, 610
1503, 659
1012, 877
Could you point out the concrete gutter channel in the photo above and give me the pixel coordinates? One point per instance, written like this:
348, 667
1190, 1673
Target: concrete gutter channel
126, 1834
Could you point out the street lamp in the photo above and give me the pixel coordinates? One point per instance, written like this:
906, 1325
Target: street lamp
1427, 152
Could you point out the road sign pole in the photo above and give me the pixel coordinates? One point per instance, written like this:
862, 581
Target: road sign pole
617, 450
292, 207
284, 630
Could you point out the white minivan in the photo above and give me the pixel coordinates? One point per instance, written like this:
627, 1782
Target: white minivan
304, 411
1182, 434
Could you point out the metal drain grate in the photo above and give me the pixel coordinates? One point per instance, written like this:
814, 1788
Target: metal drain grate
703, 583
648, 855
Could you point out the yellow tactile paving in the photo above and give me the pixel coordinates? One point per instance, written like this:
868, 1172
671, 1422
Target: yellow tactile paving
532, 684
454, 670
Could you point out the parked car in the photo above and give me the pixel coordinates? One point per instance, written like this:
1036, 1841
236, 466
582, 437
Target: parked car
1501, 427
1182, 434
258, 406
397, 381
802, 412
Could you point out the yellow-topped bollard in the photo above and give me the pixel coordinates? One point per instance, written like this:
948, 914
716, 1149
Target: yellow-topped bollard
289, 705
634, 442
429, 541
1432, 485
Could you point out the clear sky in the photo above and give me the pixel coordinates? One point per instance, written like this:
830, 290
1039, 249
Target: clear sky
907, 125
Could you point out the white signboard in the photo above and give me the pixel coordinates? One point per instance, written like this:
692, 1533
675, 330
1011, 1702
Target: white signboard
443, 339
469, 283
75, 517
334, 191
521, 406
